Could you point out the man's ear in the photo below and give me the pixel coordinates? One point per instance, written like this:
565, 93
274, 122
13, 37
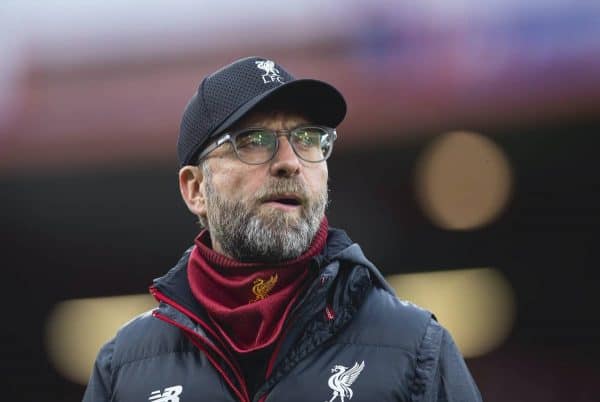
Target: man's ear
191, 186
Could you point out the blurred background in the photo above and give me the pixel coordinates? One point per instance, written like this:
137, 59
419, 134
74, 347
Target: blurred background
467, 169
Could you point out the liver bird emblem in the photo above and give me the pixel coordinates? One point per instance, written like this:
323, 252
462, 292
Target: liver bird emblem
262, 288
271, 73
342, 379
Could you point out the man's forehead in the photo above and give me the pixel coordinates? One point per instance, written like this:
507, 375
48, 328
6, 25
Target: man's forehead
262, 118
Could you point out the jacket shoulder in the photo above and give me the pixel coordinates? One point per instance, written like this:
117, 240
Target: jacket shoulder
384, 319
145, 337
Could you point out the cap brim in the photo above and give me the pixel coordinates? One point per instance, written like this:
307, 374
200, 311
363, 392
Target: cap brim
318, 100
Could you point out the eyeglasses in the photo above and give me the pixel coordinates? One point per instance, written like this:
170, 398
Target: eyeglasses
257, 145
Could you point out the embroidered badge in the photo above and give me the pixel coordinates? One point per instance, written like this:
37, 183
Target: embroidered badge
262, 288
341, 380
271, 73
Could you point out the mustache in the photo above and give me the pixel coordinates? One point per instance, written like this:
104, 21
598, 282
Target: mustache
278, 187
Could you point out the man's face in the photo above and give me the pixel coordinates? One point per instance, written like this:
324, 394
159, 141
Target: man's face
267, 212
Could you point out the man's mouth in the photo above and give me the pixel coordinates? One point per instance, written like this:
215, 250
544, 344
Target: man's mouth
286, 201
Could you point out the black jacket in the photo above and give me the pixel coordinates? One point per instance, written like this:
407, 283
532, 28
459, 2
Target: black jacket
349, 337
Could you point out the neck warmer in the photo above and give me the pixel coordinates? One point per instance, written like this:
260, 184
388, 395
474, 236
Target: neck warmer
248, 303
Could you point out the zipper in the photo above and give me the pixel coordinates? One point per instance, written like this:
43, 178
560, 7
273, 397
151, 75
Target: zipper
320, 284
159, 296
324, 330
204, 344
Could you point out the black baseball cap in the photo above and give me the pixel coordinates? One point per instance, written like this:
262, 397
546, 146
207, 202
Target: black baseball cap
226, 95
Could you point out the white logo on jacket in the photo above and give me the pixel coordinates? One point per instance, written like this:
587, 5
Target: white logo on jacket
341, 380
170, 394
271, 73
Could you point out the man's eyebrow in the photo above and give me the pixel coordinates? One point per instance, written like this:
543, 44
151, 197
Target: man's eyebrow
261, 124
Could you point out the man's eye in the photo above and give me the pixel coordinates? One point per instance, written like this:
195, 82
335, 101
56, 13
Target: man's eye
308, 138
254, 139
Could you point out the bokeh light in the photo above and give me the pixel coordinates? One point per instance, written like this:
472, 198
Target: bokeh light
463, 180
76, 329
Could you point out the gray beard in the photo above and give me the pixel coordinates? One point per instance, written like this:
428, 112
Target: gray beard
247, 234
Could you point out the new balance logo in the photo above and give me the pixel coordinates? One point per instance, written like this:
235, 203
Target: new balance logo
170, 394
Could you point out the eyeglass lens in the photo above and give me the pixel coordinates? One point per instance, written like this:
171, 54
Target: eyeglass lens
313, 144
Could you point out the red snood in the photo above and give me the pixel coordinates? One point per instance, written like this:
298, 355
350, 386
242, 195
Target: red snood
248, 302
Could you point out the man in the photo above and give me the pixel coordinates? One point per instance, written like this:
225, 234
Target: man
271, 304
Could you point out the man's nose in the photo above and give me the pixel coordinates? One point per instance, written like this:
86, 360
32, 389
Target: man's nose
285, 163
